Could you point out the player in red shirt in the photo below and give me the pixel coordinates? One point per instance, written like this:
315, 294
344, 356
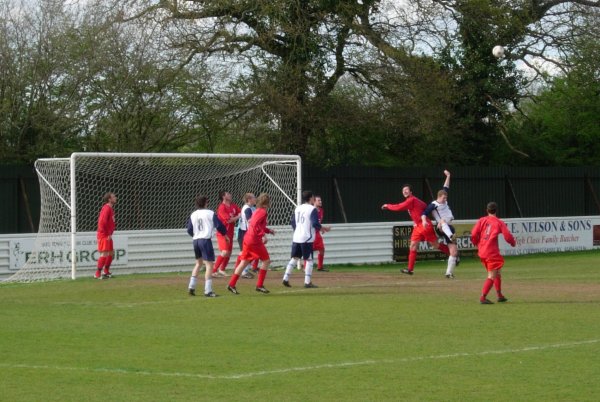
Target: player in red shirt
254, 246
485, 236
415, 208
106, 228
318, 244
228, 213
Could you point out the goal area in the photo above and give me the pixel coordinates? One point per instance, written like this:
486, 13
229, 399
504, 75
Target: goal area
155, 194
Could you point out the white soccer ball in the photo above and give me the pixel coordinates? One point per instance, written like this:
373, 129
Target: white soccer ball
498, 51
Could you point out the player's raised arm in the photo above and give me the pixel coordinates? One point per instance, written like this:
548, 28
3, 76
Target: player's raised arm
447, 181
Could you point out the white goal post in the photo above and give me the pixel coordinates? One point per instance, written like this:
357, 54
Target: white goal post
155, 192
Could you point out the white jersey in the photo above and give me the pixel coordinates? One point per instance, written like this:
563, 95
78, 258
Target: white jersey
243, 222
203, 223
442, 211
304, 220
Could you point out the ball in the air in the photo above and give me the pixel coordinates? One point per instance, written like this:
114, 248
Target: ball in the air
498, 51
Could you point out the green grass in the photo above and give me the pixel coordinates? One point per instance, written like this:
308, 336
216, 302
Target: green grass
367, 334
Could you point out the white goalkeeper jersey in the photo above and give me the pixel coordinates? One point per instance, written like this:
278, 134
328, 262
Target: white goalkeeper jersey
204, 222
305, 221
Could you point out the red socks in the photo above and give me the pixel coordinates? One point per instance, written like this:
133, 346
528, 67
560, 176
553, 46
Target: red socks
218, 263
320, 259
107, 264
221, 263
224, 263
498, 285
412, 258
233, 280
487, 285
261, 278
259, 283
103, 262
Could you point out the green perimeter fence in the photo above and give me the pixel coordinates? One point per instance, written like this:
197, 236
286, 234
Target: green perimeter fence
355, 194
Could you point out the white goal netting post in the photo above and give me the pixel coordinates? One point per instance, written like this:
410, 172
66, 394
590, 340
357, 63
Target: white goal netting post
155, 194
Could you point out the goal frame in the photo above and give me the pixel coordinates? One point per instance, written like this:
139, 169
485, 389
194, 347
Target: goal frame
72, 203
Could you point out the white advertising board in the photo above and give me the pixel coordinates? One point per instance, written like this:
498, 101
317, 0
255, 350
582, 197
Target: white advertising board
547, 235
57, 251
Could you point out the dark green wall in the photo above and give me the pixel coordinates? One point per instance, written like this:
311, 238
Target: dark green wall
19, 199
520, 192
527, 192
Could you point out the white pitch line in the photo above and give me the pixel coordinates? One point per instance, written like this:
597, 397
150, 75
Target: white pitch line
303, 368
185, 299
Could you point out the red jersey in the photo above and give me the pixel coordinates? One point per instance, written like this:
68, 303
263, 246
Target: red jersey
320, 214
413, 205
485, 236
225, 213
106, 222
257, 227
318, 243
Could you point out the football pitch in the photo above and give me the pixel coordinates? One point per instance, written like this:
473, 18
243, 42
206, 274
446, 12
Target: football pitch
368, 333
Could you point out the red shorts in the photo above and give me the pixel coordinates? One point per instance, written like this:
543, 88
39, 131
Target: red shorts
254, 251
318, 244
105, 244
223, 245
493, 264
423, 234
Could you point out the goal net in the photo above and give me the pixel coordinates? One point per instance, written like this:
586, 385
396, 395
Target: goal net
155, 195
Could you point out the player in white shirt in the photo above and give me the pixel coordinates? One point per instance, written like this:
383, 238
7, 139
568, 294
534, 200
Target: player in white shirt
305, 222
200, 226
441, 213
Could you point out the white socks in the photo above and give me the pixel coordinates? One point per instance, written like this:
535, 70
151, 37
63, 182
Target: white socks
451, 265
207, 286
308, 271
289, 269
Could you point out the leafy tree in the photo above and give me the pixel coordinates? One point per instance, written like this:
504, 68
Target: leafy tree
562, 125
133, 98
36, 117
72, 80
